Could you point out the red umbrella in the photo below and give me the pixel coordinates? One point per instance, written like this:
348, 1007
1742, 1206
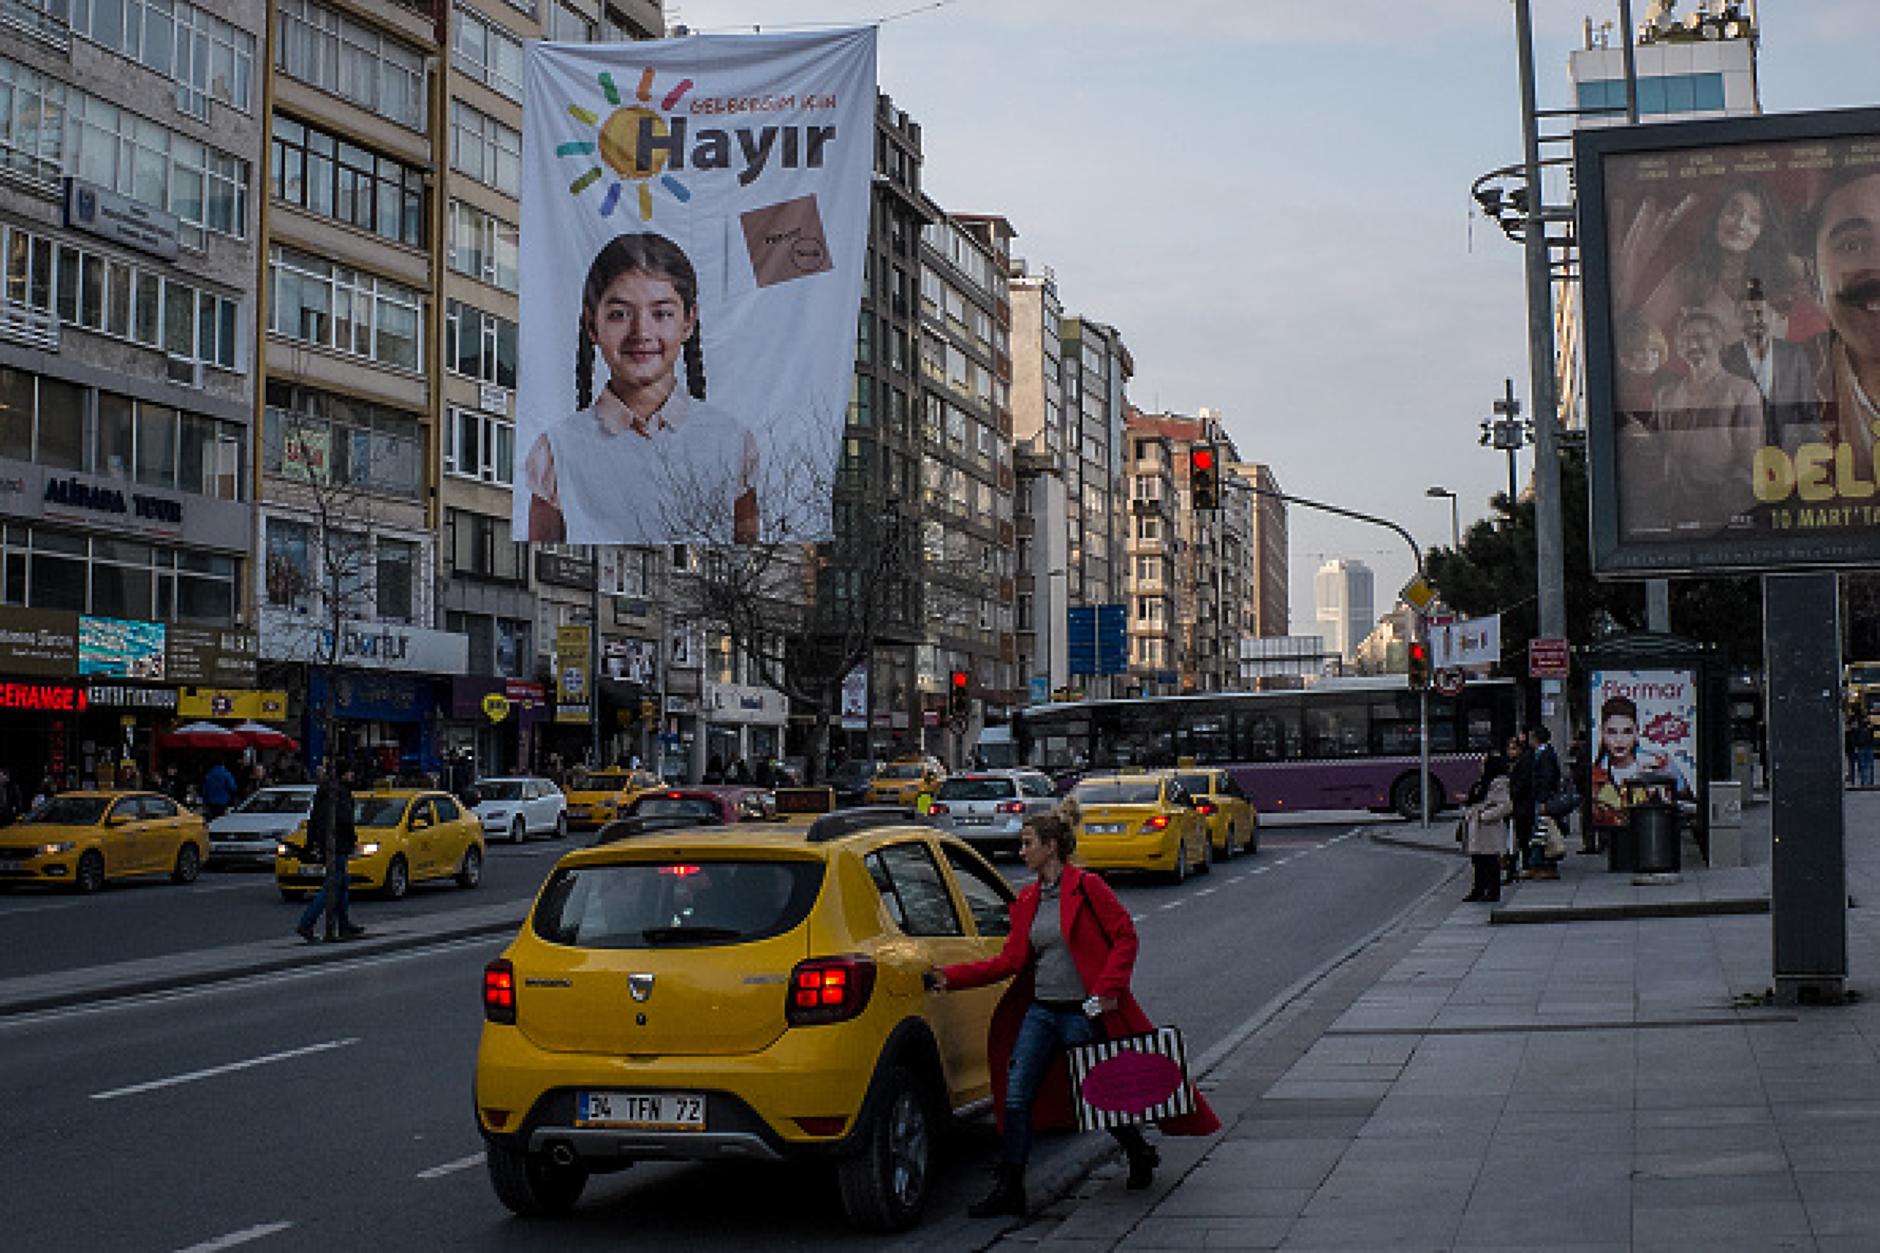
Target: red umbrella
265, 737
203, 735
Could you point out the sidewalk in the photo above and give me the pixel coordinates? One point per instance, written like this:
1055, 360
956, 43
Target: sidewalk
1614, 1081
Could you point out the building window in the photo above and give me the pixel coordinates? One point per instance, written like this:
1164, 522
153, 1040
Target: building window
116, 578
289, 569
328, 50
479, 446
395, 579
485, 149
481, 546
204, 55
562, 24
63, 426
347, 310
325, 438
480, 345
326, 175
488, 53
483, 246
515, 656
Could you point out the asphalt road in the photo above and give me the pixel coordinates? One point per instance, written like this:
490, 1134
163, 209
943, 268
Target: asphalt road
328, 1108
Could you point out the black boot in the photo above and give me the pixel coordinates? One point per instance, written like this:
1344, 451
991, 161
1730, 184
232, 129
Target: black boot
1007, 1195
1143, 1159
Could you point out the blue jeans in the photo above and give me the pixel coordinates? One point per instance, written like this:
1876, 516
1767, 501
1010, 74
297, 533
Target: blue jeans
332, 897
1042, 1036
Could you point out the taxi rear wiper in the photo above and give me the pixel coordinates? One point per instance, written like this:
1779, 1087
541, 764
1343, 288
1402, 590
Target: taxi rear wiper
681, 935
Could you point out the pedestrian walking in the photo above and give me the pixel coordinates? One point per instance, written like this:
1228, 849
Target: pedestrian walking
1069, 954
1545, 782
218, 791
1521, 793
1485, 827
332, 838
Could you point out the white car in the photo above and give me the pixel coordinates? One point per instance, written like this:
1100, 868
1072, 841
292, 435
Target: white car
988, 808
248, 833
517, 807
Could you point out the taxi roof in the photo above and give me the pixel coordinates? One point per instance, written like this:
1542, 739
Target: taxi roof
865, 823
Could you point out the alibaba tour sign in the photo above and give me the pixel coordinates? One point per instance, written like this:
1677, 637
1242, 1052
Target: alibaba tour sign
688, 295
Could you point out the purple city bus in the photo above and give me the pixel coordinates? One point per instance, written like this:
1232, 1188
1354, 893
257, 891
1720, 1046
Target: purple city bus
1340, 744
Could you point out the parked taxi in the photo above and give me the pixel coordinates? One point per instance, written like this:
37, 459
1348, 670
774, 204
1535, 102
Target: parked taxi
597, 798
405, 836
905, 780
81, 840
1233, 823
1140, 822
752, 992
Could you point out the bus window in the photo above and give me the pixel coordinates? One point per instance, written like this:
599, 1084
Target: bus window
1267, 734
1205, 738
1337, 730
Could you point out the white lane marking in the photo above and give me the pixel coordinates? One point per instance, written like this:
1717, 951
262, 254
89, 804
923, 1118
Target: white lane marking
1173, 905
230, 1068
234, 1238
451, 1168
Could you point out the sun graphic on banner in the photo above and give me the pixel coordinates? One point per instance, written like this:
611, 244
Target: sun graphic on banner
617, 140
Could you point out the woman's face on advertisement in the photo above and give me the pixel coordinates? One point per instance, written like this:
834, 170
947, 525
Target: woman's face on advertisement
1621, 736
1740, 222
639, 326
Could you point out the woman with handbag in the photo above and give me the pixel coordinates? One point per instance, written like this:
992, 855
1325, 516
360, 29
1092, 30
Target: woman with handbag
1069, 953
1487, 835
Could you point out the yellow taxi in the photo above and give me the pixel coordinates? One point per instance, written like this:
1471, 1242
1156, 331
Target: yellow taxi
598, 797
752, 992
1233, 823
405, 836
1140, 822
904, 780
79, 840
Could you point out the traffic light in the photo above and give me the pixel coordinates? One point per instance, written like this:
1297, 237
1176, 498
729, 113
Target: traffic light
959, 697
1417, 659
1204, 476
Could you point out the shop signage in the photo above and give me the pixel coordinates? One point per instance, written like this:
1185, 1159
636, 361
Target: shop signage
42, 643
119, 696
364, 645
211, 657
637, 661
222, 702
496, 706
76, 494
751, 705
58, 697
102, 212
121, 649
563, 570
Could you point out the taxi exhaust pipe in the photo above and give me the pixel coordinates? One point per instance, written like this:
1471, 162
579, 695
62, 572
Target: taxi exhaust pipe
561, 1154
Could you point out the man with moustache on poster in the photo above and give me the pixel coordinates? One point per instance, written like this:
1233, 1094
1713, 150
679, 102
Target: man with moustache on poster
1783, 373
1846, 260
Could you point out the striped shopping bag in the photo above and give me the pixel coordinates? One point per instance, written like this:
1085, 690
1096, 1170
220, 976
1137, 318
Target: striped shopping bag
1139, 1078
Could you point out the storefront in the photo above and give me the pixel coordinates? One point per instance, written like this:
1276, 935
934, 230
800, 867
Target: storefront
497, 721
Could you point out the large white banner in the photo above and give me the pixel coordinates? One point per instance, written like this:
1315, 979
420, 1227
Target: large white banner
693, 232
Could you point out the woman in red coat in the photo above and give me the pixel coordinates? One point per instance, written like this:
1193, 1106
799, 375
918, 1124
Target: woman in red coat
1069, 955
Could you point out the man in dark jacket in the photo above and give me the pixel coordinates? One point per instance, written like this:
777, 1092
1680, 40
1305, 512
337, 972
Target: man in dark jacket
331, 838
1547, 777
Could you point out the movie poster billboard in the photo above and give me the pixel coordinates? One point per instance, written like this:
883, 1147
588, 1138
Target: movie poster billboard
692, 242
1644, 741
1732, 341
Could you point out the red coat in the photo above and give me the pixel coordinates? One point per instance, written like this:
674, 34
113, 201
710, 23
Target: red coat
1102, 943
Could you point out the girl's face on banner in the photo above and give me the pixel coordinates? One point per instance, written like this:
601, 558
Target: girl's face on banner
1621, 737
639, 327
1740, 222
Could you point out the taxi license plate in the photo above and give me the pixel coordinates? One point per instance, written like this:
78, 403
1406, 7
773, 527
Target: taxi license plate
641, 1111
1105, 828
969, 820
10, 864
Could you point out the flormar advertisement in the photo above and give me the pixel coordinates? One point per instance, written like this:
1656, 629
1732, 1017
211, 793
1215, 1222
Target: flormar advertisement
1732, 275
692, 248
1645, 722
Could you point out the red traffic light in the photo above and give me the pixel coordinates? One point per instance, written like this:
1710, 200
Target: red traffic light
1203, 459
959, 679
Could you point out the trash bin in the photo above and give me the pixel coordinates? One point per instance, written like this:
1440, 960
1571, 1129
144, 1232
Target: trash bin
1655, 837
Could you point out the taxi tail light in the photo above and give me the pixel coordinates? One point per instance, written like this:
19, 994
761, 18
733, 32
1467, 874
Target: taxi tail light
1205, 808
938, 807
1011, 807
1156, 823
829, 989
499, 991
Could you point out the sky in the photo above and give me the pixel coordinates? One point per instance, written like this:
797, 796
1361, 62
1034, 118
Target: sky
1270, 200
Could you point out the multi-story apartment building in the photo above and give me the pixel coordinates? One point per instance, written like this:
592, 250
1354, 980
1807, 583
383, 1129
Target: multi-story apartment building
1272, 613
1153, 549
1097, 369
130, 149
1040, 506
1346, 605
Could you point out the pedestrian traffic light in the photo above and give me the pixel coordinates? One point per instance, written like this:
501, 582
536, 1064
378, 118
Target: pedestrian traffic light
959, 694
1204, 476
1419, 664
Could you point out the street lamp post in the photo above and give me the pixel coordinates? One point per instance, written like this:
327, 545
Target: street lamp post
1455, 523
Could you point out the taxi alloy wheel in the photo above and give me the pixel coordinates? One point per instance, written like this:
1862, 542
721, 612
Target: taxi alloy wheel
397, 879
1206, 865
517, 831
470, 871
90, 875
188, 865
531, 1185
1180, 873
885, 1185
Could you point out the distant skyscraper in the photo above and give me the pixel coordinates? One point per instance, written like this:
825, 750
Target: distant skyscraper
1346, 605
